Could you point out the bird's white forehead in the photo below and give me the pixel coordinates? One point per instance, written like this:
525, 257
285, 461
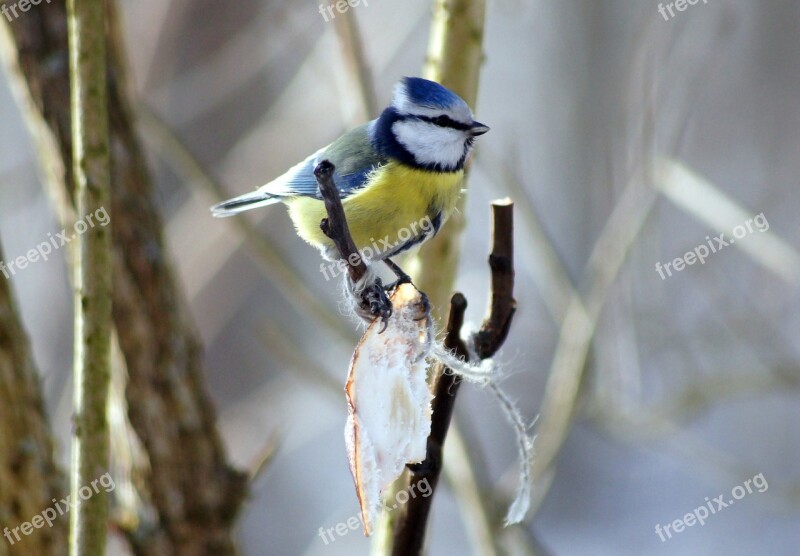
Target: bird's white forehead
402, 102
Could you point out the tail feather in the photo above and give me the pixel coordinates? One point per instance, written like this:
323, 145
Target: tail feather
242, 203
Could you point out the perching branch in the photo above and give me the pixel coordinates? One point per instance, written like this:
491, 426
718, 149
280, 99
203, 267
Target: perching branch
335, 226
411, 521
92, 176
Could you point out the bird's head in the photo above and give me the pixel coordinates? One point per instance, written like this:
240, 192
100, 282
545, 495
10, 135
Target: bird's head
427, 126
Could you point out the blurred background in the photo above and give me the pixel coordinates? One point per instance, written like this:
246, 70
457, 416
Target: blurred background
625, 139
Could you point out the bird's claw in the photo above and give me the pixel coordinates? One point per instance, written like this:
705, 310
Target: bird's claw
379, 305
425, 306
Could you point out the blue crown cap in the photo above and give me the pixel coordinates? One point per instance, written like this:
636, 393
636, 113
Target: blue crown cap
423, 92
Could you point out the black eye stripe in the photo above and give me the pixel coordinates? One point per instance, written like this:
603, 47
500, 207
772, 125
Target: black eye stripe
444, 121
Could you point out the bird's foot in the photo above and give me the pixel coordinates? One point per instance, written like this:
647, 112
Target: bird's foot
375, 300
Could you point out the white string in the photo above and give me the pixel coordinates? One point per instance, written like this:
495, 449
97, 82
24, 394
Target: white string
480, 373
522, 500
486, 373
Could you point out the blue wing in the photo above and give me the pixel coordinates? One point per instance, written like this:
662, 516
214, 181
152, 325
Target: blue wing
352, 154
354, 158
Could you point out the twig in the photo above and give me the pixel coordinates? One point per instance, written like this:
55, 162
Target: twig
577, 331
502, 305
410, 525
335, 226
92, 175
356, 68
464, 472
543, 262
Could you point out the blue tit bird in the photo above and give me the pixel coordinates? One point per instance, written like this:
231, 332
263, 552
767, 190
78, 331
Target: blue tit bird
399, 176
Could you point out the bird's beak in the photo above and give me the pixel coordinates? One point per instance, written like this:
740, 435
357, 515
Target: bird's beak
478, 128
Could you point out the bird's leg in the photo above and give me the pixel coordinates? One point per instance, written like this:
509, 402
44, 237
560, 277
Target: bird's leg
402, 277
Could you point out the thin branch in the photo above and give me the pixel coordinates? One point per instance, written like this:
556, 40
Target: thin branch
502, 305
335, 226
411, 521
356, 67
464, 473
92, 175
577, 331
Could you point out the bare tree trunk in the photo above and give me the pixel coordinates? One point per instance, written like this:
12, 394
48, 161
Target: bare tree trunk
29, 476
194, 492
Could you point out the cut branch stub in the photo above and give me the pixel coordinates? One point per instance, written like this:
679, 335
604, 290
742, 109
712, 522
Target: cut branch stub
502, 306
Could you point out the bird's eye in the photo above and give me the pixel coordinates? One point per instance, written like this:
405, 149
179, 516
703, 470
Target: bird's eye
441, 121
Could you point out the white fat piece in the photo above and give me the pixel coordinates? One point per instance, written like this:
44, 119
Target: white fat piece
429, 143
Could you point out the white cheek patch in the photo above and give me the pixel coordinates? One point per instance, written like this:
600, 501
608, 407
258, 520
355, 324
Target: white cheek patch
429, 143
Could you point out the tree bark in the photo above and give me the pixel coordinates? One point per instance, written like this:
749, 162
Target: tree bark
92, 298
29, 476
195, 494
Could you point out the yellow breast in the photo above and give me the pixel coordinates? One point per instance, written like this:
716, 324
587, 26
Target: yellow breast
398, 200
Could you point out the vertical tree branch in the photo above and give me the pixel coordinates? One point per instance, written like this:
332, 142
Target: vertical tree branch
455, 54
410, 527
29, 476
411, 520
90, 163
502, 306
